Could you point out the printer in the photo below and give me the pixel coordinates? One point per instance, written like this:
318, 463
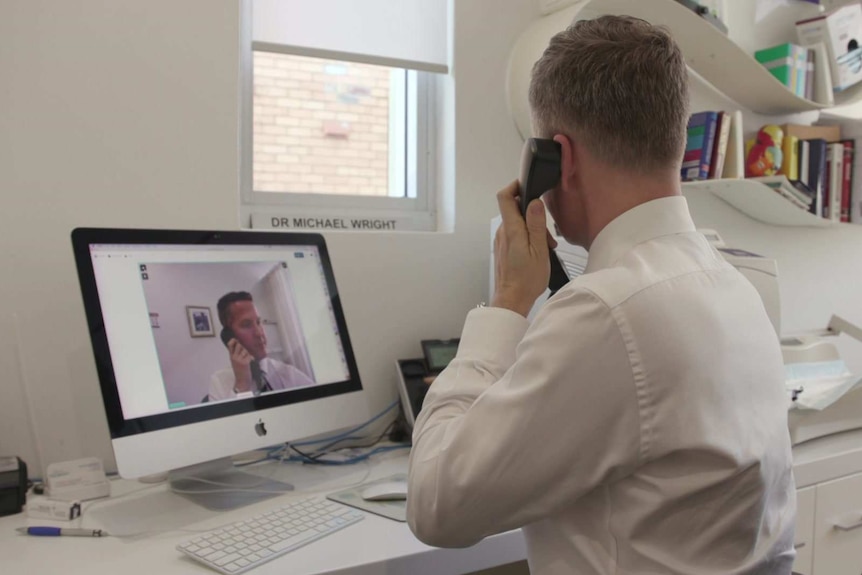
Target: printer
810, 350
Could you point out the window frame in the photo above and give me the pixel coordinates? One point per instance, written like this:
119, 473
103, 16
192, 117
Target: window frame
412, 213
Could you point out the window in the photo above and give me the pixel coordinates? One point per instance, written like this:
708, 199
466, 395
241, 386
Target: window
328, 127
337, 144
337, 114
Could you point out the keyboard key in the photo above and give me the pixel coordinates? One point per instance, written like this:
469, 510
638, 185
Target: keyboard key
227, 559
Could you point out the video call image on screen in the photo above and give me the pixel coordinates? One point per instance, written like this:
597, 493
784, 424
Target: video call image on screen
231, 325
252, 303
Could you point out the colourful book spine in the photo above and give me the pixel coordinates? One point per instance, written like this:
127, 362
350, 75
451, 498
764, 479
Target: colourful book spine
790, 163
699, 146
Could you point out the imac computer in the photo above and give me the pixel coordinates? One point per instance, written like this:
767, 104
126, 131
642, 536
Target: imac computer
209, 344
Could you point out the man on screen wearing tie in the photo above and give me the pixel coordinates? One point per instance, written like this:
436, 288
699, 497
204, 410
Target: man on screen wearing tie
252, 372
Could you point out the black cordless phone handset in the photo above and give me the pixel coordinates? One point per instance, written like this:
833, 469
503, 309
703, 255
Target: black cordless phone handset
540, 171
226, 335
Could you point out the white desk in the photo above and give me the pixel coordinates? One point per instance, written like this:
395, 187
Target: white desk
373, 546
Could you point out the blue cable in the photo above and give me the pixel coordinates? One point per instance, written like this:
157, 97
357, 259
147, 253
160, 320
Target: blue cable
346, 433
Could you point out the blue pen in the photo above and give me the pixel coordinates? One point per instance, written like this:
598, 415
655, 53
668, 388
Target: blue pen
64, 531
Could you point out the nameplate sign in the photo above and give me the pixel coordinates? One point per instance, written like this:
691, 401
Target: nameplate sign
309, 222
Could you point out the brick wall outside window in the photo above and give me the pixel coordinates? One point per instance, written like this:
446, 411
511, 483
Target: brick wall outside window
320, 126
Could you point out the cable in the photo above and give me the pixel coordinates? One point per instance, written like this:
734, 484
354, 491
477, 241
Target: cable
327, 448
305, 458
334, 440
355, 429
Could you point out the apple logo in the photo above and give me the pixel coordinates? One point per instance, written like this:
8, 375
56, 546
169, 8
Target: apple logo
260, 428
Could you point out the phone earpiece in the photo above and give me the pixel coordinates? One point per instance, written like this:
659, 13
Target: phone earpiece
226, 335
540, 169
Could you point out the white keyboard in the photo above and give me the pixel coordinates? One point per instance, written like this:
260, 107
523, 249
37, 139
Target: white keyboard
244, 545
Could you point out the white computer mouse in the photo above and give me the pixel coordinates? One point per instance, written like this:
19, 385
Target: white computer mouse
386, 491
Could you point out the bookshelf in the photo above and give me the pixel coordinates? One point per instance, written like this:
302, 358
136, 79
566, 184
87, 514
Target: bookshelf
758, 201
712, 55
707, 51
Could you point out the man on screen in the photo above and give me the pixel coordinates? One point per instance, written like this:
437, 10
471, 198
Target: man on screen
251, 371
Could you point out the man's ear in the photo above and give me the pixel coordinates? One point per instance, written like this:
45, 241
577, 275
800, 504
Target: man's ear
568, 158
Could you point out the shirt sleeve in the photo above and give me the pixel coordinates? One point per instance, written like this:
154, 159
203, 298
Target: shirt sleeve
221, 385
523, 421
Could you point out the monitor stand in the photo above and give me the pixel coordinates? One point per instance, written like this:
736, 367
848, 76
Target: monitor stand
219, 486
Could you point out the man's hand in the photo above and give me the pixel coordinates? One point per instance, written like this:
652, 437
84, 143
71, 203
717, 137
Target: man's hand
522, 267
240, 361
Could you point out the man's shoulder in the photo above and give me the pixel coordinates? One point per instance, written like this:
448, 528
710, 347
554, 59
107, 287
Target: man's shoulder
647, 265
606, 287
271, 362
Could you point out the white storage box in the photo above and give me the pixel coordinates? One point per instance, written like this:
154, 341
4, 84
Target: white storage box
841, 32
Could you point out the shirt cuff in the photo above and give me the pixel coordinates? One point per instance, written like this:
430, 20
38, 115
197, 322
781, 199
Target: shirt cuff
492, 334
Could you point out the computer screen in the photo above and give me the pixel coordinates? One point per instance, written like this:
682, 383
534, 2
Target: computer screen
212, 343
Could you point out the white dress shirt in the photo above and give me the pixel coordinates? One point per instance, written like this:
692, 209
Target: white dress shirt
280, 375
638, 426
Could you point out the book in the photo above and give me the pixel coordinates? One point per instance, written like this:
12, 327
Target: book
790, 164
699, 144
800, 54
835, 177
719, 151
794, 192
734, 159
830, 133
809, 75
855, 201
817, 173
804, 150
847, 179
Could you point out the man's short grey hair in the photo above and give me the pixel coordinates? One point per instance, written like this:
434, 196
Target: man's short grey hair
619, 85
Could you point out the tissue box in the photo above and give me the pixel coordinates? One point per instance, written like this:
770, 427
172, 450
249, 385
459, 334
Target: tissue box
841, 32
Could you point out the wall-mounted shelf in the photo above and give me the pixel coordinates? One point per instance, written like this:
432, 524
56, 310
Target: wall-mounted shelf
757, 201
710, 53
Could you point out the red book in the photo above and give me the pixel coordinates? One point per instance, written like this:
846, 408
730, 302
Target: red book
691, 156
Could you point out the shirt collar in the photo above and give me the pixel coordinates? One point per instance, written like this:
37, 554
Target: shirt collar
653, 219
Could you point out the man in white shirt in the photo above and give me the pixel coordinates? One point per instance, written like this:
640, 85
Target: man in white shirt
638, 425
251, 372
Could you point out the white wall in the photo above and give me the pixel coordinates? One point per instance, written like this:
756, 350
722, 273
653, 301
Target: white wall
111, 114
125, 114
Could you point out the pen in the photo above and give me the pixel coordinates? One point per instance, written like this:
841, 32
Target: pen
64, 531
